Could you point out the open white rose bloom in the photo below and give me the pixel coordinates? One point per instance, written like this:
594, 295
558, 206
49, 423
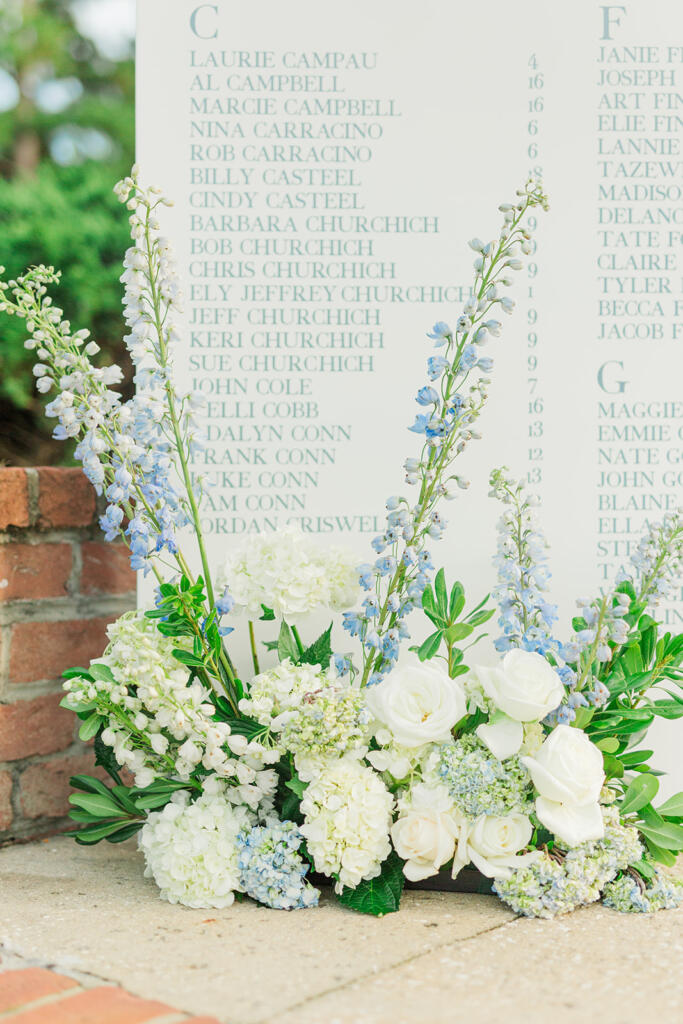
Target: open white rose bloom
384, 751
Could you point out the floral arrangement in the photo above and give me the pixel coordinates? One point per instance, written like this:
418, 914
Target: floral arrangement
370, 769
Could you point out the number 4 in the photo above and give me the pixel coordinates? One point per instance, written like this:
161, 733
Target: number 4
533, 63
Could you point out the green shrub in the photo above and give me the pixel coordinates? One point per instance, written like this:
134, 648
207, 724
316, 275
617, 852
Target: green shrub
68, 218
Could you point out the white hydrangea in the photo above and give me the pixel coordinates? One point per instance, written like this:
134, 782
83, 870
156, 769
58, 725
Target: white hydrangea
158, 722
347, 816
291, 574
311, 712
190, 847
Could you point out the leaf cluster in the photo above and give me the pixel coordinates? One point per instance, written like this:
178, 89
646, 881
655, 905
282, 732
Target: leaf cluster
181, 612
377, 896
115, 813
445, 611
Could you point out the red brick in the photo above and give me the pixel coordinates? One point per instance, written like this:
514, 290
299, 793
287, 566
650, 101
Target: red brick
65, 498
104, 1005
106, 569
43, 650
5, 820
34, 570
44, 788
30, 727
14, 510
20, 987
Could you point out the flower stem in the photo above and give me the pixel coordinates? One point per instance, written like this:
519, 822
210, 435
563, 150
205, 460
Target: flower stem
252, 644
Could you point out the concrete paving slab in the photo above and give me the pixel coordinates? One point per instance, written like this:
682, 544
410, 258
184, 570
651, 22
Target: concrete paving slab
90, 910
592, 966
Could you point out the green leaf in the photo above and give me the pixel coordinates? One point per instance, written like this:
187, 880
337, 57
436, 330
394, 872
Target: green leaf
458, 631
105, 758
441, 592
673, 807
659, 854
296, 785
268, 614
609, 744
98, 804
187, 658
667, 835
320, 651
632, 757
479, 618
87, 784
101, 671
648, 642
644, 868
667, 708
91, 726
77, 673
84, 816
639, 793
377, 896
430, 646
123, 795
583, 717
626, 588
457, 601
286, 645
431, 610
89, 836
614, 769
248, 727
150, 801
125, 832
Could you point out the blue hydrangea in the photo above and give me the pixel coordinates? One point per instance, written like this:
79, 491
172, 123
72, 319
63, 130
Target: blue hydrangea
271, 870
481, 784
631, 894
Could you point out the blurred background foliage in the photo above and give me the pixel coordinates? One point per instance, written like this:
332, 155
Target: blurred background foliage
66, 135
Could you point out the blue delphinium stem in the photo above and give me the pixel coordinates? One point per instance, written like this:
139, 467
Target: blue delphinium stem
523, 574
394, 583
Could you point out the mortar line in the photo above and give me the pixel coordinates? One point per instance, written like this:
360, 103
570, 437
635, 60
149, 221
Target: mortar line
272, 1018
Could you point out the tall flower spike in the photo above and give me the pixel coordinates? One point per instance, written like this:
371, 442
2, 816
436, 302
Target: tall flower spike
658, 561
138, 452
450, 403
523, 574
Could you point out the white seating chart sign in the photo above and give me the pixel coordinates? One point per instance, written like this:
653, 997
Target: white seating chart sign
328, 165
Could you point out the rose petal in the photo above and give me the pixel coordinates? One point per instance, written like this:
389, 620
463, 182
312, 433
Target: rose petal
502, 735
571, 824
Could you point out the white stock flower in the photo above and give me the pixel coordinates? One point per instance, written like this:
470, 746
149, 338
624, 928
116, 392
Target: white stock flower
347, 816
418, 704
568, 774
190, 847
426, 832
523, 686
291, 574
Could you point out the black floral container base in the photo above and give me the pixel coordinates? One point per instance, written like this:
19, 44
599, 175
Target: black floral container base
468, 880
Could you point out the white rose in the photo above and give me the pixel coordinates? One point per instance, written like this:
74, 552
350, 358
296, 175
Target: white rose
502, 735
493, 844
568, 773
418, 704
524, 686
425, 835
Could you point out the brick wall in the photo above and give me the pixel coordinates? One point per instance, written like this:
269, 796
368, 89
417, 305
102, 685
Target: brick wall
60, 584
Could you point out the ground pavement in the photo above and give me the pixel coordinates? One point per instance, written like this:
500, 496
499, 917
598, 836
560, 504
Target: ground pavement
84, 939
